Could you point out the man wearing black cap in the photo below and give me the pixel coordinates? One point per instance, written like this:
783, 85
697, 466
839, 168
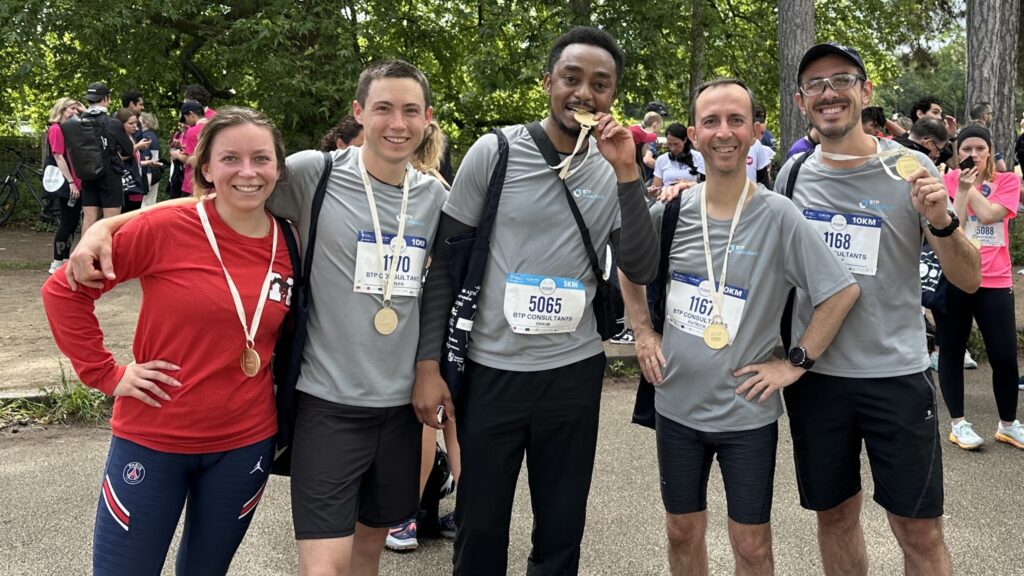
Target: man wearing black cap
192, 115
872, 201
104, 192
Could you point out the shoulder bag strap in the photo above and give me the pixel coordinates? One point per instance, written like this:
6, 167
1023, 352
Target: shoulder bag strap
540, 138
795, 171
290, 242
494, 188
314, 215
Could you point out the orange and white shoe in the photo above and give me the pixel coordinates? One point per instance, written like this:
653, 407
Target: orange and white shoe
1012, 434
964, 436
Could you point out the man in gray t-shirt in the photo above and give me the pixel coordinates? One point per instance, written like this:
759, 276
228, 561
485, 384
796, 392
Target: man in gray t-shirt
873, 203
535, 365
717, 397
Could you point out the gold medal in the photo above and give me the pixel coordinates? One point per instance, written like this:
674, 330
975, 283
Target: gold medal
716, 335
250, 362
907, 165
385, 321
586, 119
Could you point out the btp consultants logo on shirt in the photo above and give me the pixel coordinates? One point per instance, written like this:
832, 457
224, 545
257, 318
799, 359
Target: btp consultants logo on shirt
586, 194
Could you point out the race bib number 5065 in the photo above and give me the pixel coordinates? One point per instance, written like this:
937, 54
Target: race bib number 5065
543, 304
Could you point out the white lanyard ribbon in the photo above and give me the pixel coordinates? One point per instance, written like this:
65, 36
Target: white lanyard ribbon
563, 167
250, 333
399, 239
718, 292
882, 155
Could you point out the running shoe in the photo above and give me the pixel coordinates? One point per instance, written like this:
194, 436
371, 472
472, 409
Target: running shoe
933, 361
624, 337
448, 525
963, 435
403, 537
969, 363
1012, 435
56, 264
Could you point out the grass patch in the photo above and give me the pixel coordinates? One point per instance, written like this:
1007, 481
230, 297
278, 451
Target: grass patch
622, 369
69, 402
7, 265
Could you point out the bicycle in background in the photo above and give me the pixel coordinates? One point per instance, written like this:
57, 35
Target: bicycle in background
26, 179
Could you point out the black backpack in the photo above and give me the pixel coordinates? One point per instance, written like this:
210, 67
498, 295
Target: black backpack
88, 147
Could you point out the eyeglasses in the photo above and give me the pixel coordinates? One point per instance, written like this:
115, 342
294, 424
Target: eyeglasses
838, 83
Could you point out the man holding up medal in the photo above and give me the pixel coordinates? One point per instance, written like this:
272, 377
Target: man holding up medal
873, 202
533, 377
736, 253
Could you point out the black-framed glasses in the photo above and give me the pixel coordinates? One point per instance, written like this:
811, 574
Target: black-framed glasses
838, 83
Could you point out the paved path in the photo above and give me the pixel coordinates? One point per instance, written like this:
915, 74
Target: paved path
49, 483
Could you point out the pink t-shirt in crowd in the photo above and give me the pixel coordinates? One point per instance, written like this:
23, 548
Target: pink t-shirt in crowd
55, 138
188, 146
996, 269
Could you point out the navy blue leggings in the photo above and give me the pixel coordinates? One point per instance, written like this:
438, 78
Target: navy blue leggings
142, 496
992, 308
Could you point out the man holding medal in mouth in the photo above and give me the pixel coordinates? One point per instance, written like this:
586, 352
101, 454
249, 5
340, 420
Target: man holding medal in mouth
533, 378
873, 202
736, 253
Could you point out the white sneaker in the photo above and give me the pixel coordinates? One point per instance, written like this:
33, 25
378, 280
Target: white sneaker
933, 361
1012, 435
56, 264
969, 363
964, 436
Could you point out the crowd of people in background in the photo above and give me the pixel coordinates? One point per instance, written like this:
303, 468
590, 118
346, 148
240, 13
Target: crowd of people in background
658, 201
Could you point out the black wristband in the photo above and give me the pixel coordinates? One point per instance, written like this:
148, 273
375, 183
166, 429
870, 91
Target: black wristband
954, 223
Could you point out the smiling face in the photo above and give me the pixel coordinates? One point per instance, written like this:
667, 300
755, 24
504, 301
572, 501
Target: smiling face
834, 114
393, 118
242, 167
724, 128
582, 79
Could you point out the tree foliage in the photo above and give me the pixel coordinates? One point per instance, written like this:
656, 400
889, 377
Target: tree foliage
298, 60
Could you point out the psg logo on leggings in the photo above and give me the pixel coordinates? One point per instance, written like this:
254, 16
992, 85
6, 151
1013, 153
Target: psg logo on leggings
133, 473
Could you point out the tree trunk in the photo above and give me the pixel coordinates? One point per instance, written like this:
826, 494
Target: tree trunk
796, 35
992, 30
696, 48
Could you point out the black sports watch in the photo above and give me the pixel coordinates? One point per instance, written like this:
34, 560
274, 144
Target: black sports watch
954, 223
799, 359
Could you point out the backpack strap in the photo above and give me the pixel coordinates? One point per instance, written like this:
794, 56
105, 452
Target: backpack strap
669, 221
795, 171
786, 326
314, 216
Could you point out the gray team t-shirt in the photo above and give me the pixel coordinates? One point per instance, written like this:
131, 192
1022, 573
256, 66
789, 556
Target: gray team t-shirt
534, 235
773, 250
345, 360
883, 335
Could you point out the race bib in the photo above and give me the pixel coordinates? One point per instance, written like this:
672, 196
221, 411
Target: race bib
689, 306
853, 238
985, 234
543, 304
369, 277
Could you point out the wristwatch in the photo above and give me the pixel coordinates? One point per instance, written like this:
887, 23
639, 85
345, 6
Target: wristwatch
799, 359
954, 223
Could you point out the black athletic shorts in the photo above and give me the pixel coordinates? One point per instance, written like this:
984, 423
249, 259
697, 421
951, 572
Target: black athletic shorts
746, 458
105, 191
351, 463
896, 418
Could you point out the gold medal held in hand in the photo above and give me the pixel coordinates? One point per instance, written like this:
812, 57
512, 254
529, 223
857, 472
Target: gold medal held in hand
716, 335
907, 165
250, 362
586, 119
385, 321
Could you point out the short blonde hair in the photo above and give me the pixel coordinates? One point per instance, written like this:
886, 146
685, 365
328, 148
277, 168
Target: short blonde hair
149, 121
57, 112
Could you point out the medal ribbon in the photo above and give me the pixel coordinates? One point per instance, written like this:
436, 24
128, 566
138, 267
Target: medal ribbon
393, 269
564, 171
718, 293
882, 155
250, 334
